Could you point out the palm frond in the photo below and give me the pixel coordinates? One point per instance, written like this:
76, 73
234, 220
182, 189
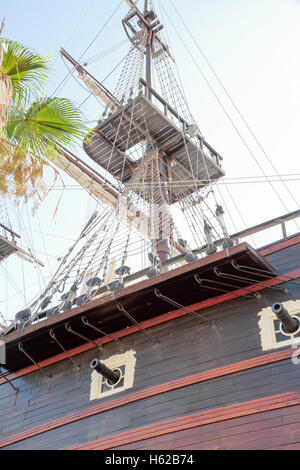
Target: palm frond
27, 70
47, 122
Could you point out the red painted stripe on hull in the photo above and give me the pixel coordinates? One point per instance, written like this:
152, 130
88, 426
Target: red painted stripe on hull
192, 421
280, 246
155, 321
151, 392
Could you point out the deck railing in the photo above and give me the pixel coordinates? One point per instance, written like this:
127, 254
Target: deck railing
208, 149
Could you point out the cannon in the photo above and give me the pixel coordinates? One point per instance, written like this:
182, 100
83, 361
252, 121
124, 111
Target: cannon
290, 324
111, 375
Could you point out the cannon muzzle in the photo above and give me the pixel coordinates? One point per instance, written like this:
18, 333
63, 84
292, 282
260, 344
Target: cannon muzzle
290, 324
111, 376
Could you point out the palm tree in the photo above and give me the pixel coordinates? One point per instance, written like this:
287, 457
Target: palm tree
31, 126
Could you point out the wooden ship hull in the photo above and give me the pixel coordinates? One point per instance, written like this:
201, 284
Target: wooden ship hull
199, 383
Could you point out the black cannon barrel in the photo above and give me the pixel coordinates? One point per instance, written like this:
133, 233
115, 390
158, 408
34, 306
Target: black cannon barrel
290, 324
111, 376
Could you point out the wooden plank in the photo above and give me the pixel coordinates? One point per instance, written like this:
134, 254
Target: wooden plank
192, 421
144, 119
148, 324
217, 430
208, 435
151, 392
175, 274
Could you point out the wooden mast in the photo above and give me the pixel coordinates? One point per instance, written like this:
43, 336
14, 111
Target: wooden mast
162, 244
88, 177
149, 43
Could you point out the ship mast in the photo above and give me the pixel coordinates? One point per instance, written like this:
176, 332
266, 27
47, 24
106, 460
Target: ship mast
159, 159
160, 218
161, 213
149, 43
153, 158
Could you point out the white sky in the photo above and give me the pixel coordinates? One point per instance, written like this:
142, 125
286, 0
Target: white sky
253, 45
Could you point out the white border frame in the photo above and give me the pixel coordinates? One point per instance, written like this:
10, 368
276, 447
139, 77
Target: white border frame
128, 359
266, 324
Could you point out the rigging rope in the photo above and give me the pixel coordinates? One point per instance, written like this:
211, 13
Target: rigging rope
143, 178
234, 104
63, 82
225, 111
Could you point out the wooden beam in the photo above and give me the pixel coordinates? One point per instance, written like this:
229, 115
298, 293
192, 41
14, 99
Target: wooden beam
225, 413
81, 69
152, 322
152, 392
274, 248
100, 188
21, 252
10, 230
266, 225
